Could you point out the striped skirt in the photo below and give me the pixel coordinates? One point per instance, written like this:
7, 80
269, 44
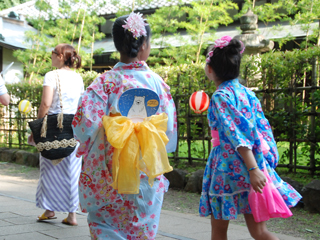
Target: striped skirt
58, 185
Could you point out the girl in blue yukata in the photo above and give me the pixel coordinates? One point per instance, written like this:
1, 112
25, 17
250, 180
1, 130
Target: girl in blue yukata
116, 210
243, 146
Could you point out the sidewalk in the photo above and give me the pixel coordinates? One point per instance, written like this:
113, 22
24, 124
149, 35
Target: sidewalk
18, 219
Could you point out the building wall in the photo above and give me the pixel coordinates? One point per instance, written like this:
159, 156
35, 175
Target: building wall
107, 27
15, 73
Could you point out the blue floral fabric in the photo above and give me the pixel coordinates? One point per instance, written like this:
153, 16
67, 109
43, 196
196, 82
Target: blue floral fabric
236, 113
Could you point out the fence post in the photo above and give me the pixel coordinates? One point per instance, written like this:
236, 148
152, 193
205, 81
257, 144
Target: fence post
294, 135
177, 103
19, 127
264, 84
2, 124
189, 127
291, 133
10, 126
312, 117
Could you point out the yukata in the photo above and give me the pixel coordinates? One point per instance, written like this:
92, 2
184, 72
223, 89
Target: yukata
112, 215
236, 113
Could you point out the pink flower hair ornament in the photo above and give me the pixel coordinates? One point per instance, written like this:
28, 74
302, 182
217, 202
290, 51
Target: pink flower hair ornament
221, 43
243, 47
210, 54
136, 25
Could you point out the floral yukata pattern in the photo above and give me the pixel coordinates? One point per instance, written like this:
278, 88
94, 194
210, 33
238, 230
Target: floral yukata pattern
112, 215
236, 113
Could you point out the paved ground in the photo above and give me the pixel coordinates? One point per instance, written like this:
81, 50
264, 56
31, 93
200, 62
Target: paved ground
18, 213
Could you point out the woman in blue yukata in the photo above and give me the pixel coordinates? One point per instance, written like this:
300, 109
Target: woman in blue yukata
114, 213
243, 145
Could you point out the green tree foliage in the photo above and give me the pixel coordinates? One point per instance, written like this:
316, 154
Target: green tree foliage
308, 12
200, 19
72, 25
4, 4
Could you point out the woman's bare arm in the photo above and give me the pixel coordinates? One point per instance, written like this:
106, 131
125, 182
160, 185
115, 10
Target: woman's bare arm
46, 101
5, 99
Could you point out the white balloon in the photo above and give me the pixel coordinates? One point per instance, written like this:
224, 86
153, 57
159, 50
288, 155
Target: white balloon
25, 106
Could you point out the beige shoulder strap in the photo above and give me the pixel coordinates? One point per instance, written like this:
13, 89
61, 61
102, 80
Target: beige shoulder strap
60, 115
43, 132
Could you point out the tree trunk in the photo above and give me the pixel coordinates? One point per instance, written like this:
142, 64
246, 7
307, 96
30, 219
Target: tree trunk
75, 25
92, 45
82, 24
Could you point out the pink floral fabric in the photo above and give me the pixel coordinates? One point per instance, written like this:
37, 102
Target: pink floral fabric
113, 215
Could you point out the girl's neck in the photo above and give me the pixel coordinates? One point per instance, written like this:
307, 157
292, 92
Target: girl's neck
217, 83
127, 60
213, 77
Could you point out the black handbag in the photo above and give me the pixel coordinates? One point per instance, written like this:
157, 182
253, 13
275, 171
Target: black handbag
53, 134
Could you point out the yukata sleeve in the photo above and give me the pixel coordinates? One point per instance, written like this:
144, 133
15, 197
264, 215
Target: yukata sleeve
87, 121
265, 129
167, 105
237, 127
172, 125
212, 121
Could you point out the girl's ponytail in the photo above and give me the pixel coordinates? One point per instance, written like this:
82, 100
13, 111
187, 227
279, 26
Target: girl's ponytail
131, 45
76, 60
70, 56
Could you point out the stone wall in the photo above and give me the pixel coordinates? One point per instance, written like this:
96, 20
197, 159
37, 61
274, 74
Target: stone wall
19, 156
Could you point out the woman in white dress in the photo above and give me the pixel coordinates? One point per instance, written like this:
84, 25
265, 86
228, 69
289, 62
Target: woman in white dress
58, 184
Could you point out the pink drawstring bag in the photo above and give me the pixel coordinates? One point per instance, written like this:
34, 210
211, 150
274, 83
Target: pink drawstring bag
215, 138
269, 203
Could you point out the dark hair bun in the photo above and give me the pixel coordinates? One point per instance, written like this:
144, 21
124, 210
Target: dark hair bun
123, 39
234, 47
225, 61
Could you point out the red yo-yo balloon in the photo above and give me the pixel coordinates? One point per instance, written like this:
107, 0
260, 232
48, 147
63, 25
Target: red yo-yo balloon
199, 101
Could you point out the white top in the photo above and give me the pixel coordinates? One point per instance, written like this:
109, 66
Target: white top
71, 89
3, 88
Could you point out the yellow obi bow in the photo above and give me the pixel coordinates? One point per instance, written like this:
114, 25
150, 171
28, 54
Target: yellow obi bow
128, 139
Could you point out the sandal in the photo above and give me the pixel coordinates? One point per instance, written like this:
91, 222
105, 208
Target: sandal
44, 218
65, 221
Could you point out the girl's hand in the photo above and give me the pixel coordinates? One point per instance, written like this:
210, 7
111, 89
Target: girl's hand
31, 140
257, 179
